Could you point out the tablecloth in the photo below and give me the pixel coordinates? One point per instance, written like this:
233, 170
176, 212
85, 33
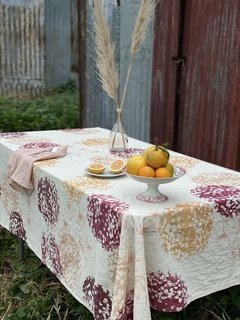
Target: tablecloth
115, 254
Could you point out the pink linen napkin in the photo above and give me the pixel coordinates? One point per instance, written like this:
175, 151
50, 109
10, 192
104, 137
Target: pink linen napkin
20, 164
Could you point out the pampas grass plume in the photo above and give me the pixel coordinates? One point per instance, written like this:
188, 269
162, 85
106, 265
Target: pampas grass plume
106, 65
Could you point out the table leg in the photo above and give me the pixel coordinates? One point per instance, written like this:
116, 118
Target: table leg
21, 249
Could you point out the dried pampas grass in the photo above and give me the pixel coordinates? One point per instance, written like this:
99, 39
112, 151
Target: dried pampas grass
106, 64
144, 18
105, 53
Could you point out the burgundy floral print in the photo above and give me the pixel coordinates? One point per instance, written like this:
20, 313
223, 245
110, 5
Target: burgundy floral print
38, 145
167, 292
11, 135
98, 299
104, 217
48, 200
16, 225
128, 153
127, 312
226, 198
50, 254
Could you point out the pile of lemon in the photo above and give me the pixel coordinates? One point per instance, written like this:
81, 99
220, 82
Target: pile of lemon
153, 163
116, 167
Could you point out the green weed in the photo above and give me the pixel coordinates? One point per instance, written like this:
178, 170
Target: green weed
57, 109
29, 290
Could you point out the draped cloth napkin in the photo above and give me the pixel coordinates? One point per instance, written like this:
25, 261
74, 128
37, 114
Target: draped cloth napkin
20, 164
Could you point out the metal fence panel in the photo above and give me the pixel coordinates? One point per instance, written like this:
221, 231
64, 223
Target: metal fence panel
58, 42
99, 107
36, 50
21, 46
138, 97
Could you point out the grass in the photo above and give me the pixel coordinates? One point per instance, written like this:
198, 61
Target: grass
57, 109
28, 290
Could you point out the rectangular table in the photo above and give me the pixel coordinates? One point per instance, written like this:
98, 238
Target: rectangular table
118, 255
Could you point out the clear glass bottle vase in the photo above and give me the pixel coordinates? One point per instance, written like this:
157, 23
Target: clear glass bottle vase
118, 140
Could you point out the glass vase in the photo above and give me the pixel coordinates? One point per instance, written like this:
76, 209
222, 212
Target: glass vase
118, 140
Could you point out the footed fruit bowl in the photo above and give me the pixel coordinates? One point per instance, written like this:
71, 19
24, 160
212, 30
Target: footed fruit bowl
152, 194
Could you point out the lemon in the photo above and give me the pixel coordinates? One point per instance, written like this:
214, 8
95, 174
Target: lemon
117, 166
96, 168
170, 167
135, 163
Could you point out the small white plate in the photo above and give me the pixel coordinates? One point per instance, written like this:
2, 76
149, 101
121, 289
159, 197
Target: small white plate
105, 174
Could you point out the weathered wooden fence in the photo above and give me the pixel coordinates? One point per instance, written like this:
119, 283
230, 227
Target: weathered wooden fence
38, 45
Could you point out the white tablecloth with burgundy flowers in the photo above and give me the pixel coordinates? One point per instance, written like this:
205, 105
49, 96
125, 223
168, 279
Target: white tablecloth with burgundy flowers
118, 255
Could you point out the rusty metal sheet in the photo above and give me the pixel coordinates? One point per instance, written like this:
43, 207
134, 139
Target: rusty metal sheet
21, 46
164, 72
196, 107
209, 110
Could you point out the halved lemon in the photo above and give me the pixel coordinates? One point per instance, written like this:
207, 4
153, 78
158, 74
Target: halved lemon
117, 166
96, 168
135, 163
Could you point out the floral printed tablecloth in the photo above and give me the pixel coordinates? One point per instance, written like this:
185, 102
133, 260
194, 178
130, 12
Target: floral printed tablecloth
118, 255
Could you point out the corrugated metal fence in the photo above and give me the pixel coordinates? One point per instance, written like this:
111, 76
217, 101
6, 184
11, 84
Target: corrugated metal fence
21, 46
39, 49
36, 45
